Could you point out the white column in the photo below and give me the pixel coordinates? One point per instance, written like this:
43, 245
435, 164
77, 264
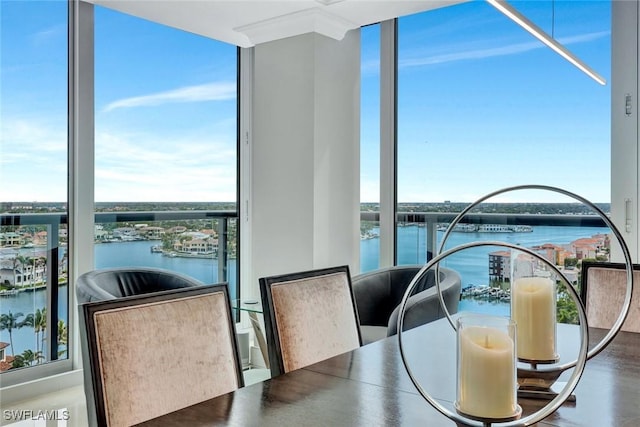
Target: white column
304, 145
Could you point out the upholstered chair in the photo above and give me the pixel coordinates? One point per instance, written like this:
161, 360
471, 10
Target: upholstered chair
378, 294
602, 291
149, 354
309, 316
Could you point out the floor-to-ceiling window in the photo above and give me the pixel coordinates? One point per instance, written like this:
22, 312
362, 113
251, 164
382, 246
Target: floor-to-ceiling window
165, 149
370, 146
484, 105
33, 191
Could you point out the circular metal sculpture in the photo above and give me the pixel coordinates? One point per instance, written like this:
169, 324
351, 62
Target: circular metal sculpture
553, 404
544, 377
623, 246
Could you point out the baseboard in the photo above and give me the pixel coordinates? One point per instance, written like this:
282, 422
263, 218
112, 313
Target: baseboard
33, 389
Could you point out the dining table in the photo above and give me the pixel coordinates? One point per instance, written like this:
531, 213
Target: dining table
370, 386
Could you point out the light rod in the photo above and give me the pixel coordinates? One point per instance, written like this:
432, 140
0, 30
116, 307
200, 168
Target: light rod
537, 32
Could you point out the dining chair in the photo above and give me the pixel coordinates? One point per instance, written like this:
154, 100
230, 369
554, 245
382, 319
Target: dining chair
309, 316
603, 288
378, 294
154, 353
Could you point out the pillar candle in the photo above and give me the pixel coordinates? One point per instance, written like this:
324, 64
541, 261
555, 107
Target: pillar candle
533, 307
486, 373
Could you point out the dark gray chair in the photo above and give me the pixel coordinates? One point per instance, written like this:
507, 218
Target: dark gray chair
110, 283
378, 294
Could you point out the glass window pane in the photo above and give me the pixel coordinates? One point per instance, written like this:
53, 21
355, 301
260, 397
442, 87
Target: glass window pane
483, 105
166, 148
370, 146
33, 173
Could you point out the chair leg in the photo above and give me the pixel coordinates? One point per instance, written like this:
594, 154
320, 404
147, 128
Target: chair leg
259, 333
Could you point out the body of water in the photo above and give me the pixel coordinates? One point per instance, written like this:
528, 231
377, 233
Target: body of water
472, 265
121, 254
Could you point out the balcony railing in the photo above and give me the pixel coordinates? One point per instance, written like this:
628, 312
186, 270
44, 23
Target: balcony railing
431, 221
55, 222
55, 272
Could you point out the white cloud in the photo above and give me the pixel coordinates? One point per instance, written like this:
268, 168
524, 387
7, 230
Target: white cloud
190, 168
33, 163
219, 91
467, 54
48, 34
198, 165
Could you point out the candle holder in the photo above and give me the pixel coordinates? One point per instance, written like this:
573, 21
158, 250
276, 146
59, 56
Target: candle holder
461, 415
537, 382
486, 356
533, 308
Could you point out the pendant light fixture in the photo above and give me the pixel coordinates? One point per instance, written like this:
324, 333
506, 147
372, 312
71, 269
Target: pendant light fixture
537, 32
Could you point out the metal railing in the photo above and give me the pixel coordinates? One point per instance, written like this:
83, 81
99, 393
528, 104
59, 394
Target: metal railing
431, 220
156, 216
54, 222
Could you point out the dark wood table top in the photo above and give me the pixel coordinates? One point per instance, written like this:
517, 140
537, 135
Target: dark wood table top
370, 387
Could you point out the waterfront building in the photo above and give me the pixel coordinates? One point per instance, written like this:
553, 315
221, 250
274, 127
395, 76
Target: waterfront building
197, 246
550, 252
500, 266
5, 359
589, 247
152, 233
10, 238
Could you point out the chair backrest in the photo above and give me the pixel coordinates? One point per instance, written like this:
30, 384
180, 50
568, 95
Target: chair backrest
158, 352
423, 306
309, 316
110, 283
379, 292
603, 287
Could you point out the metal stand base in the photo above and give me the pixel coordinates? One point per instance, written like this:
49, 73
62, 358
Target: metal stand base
544, 394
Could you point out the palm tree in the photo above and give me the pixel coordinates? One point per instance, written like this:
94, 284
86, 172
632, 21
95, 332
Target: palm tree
18, 362
62, 336
9, 321
40, 325
18, 261
42, 261
28, 356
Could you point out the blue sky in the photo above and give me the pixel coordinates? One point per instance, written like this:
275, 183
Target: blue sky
482, 105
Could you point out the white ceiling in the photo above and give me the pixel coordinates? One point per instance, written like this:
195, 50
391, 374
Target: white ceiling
246, 23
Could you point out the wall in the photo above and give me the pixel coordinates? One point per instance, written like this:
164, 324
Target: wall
304, 148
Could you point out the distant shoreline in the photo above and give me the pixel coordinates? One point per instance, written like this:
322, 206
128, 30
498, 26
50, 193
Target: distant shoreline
574, 208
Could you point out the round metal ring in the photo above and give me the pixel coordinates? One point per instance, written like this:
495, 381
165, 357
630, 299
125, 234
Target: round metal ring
552, 405
604, 342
